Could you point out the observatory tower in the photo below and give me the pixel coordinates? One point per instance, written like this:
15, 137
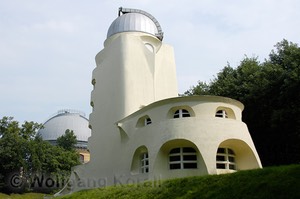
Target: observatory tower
141, 129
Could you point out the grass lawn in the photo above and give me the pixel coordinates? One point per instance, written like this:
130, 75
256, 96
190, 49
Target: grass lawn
273, 182
23, 196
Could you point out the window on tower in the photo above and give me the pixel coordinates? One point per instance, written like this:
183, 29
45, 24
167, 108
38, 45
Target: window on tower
225, 112
147, 121
94, 82
144, 121
221, 113
183, 158
144, 163
181, 113
225, 159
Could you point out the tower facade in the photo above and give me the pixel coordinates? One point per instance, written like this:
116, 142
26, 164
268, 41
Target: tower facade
141, 129
133, 70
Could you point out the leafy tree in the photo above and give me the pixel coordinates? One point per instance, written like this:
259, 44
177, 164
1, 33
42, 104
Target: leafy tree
270, 92
67, 141
23, 152
224, 82
14, 143
201, 89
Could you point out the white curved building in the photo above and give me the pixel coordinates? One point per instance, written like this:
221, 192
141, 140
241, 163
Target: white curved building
141, 129
73, 120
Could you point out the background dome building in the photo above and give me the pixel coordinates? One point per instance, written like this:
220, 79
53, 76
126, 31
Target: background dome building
73, 120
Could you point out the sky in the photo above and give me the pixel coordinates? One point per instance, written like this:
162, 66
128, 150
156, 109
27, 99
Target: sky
48, 48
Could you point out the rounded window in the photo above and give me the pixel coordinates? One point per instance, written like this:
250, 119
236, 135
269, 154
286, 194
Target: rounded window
144, 121
226, 159
180, 113
183, 158
140, 161
225, 112
144, 158
149, 47
221, 113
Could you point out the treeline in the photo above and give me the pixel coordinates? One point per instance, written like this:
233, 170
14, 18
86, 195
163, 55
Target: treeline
270, 92
28, 163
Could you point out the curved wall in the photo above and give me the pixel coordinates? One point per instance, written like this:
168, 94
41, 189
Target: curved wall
203, 131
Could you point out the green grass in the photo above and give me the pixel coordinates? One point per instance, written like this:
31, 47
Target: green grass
22, 196
273, 182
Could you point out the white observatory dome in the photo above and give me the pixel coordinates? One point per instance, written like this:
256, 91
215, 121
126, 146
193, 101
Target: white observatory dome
63, 120
134, 20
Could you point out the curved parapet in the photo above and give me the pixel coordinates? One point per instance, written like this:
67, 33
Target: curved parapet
206, 132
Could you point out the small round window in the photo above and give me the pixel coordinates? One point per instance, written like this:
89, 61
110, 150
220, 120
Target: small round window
149, 47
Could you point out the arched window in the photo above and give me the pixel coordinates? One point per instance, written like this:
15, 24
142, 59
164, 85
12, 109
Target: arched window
225, 112
147, 121
183, 158
143, 121
225, 159
181, 113
221, 113
140, 161
149, 47
144, 163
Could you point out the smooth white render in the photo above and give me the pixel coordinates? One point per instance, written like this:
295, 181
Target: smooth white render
135, 79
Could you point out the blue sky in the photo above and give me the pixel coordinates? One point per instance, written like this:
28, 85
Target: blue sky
47, 48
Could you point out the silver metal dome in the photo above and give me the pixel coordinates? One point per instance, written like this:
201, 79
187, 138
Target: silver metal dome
134, 20
63, 120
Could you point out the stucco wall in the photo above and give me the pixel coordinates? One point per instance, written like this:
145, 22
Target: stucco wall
202, 131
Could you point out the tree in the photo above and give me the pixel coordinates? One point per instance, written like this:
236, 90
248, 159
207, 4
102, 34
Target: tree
67, 141
201, 89
24, 153
14, 146
14, 143
270, 92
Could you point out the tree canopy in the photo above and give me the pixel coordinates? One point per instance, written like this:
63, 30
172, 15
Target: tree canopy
23, 151
270, 92
67, 141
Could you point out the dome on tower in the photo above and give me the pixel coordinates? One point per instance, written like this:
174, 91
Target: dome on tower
73, 120
134, 20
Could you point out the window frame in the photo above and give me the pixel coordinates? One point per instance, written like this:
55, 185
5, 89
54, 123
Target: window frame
226, 159
144, 162
143, 121
147, 121
181, 113
221, 113
180, 160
